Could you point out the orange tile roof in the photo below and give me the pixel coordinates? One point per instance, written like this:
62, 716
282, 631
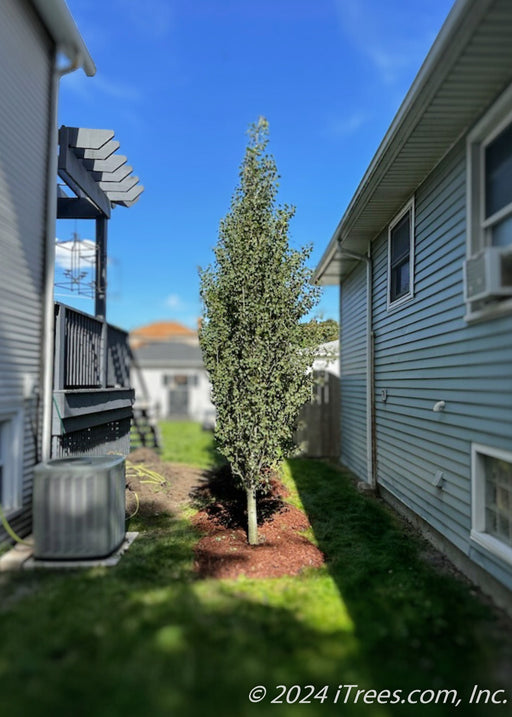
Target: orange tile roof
162, 330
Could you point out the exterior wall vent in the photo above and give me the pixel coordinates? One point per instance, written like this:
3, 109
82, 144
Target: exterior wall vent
79, 507
488, 274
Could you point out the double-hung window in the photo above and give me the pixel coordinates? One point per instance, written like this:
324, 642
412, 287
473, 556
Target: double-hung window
401, 256
488, 266
497, 186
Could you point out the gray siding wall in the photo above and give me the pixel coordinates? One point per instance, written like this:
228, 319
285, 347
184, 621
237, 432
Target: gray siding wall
353, 371
25, 81
426, 352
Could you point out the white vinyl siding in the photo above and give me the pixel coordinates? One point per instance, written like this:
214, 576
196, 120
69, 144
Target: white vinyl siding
25, 87
353, 365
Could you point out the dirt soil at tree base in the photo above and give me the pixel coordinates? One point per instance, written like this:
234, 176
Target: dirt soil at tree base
223, 550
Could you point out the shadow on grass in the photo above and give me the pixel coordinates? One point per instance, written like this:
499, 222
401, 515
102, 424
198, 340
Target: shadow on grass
148, 638
416, 628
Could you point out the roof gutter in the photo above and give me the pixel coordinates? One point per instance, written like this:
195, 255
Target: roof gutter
49, 278
370, 370
68, 41
59, 23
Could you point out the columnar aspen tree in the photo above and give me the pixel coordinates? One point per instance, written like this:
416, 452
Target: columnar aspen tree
254, 296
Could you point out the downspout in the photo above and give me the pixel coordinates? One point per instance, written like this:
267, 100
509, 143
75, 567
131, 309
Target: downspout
370, 379
371, 434
49, 276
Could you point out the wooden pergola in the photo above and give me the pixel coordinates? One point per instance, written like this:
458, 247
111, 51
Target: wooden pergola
92, 394
101, 179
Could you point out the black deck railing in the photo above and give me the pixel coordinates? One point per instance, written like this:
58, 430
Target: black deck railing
89, 353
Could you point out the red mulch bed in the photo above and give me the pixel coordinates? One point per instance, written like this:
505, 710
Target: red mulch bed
223, 551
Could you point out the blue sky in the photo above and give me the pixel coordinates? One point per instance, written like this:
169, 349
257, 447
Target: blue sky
179, 81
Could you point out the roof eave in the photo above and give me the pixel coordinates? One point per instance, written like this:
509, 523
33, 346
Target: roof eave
61, 26
458, 27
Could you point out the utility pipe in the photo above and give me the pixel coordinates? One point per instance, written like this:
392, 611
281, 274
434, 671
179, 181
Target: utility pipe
370, 399
49, 274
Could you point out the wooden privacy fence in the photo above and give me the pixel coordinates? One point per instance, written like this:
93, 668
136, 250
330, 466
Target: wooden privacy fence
318, 433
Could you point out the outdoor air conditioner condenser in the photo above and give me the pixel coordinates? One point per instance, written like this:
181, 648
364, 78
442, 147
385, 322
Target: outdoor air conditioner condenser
79, 507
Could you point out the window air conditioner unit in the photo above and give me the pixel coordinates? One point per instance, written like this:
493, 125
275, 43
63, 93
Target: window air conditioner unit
79, 507
488, 274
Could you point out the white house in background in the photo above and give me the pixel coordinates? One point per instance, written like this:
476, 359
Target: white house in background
423, 254
328, 358
171, 380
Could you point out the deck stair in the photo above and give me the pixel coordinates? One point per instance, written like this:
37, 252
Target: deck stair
144, 431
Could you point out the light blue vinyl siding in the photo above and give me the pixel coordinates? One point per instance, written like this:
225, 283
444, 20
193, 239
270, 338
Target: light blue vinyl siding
353, 372
426, 352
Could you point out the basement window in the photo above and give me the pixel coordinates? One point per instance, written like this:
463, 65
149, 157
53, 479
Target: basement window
401, 256
492, 500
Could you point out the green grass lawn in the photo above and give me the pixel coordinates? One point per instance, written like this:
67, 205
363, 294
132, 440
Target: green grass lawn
186, 442
148, 638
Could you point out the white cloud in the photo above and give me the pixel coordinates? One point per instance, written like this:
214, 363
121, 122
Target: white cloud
86, 88
117, 90
68, 254
153, 18
79, 84
348, 124
186, 311
393, 36
173, 301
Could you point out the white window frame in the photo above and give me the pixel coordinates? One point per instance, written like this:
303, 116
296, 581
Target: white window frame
11, 436
169, 380
478, 534
496, 119
409, 207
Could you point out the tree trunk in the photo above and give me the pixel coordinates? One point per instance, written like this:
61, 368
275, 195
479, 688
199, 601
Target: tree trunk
252, 520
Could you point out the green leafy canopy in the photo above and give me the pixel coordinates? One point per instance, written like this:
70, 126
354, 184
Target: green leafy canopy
254, 297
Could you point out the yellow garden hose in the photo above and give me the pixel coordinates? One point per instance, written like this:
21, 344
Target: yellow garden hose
9, 530
137, 504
